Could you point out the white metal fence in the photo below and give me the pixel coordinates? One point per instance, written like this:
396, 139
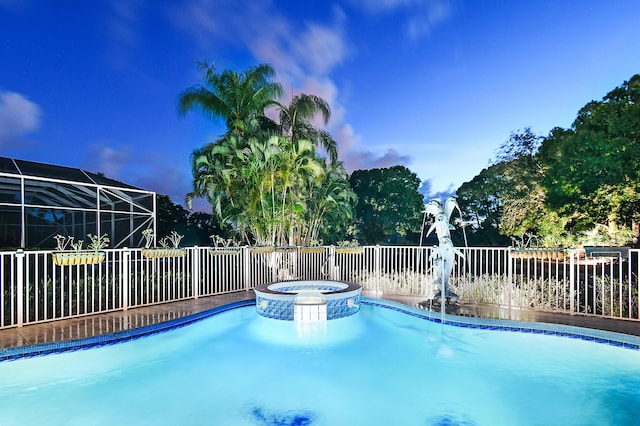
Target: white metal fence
34, 289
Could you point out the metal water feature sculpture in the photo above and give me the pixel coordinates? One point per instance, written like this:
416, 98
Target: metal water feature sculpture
444, 255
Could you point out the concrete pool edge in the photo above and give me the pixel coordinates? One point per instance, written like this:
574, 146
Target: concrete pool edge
605, 337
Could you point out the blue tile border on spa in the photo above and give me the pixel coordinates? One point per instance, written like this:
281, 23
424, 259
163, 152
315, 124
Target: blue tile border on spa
40, 349
598, 336
622, 340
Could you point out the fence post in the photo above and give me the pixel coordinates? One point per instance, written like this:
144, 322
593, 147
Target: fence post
376, 251
332, 264
20, 256
247, 272
510, 278
195, 272
572, 281
126, 278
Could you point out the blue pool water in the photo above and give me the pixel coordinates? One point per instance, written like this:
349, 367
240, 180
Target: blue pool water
379, 367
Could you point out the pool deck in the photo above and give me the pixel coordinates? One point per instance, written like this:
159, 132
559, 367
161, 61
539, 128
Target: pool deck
113, 322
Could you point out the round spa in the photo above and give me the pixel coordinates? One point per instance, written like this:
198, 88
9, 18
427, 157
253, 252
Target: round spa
308, 300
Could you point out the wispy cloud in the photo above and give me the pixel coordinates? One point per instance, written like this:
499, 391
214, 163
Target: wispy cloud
426, 190
379, 6
430, 17
167, 180
141, 170
18, 116
109, 161
368, 159
296, 48
355, 158
122, 31
346, 138
422, 16
391, 158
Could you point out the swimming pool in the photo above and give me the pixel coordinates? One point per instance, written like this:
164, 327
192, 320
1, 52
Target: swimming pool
379, 367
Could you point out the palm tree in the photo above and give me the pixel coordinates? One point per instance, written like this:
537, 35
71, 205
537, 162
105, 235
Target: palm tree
211, 178
298, 169
261, 178
330, 204
295, 122
239, 99
257, 165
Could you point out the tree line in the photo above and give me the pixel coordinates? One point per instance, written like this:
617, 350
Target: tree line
576, 186
279, 181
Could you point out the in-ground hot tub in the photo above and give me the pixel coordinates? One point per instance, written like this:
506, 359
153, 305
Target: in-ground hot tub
309, 300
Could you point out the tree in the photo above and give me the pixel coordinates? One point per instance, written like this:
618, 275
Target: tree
481, 203
330, 207
238, 99
508, 198
521, 145
267, 192
295, 122
262, 179
579, 180
196, 227
523, 198
389, 204
200, 227
592, 171
170, 217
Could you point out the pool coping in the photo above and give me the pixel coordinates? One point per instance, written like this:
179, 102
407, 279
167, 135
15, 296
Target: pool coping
264, 288
599, 336
40, 349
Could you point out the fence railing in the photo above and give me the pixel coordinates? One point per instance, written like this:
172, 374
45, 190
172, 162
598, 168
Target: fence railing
34, 289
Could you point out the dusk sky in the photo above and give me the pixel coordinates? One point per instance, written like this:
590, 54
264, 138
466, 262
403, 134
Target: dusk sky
436, 86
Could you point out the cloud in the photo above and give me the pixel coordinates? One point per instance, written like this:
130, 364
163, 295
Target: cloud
167, 180
109, 161
423, 16
346, 138
298, 48
423, 24
380, 6
303, 52
391, 158
426, 190
364, 160
123, 32
443, 195
354, 158
146, 171
320, 48
18, 116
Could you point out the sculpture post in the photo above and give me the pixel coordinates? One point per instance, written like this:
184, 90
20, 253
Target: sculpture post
444, 256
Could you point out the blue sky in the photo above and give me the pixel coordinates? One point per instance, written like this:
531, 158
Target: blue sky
435, 85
